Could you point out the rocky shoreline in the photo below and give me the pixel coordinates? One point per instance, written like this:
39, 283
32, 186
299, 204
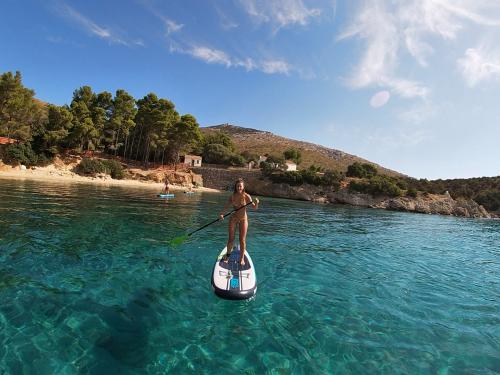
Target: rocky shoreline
220, 179
64, 172
443, 204
440, 204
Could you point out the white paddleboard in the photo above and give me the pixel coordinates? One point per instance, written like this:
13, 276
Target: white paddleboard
231, 280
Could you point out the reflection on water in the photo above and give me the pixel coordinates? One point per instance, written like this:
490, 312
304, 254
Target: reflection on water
89, 284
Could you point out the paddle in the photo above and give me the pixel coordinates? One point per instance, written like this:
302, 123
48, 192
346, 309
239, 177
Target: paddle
179, 240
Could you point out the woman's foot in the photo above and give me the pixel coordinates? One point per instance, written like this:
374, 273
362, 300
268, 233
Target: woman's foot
226, 257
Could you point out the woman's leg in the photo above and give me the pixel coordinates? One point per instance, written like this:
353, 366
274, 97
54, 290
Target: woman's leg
243, 240
230, 240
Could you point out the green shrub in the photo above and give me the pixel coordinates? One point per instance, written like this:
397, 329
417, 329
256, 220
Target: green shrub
216, 154
219, 154
113, 168
376, 186
21, 153
293, 154
364, 170
276, 160
292, 178
402, 184
94, 166
305, 176
236, 160
218, 138
250, 157
332, 178
489, 200
412, 192
311, 177
359, 186
91, 166
270, 167
266, 168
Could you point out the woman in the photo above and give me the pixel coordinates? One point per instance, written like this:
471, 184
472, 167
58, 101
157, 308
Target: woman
166, 189
238, 199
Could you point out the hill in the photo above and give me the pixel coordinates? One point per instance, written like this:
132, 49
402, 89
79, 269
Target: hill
263, 142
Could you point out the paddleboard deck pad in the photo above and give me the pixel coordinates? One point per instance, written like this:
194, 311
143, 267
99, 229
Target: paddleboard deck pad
231, 280
166, 195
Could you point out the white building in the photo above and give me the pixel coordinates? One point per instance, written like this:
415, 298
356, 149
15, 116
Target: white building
192, 160
290, 166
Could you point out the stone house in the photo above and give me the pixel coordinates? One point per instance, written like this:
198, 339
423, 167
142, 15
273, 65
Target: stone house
290, 166
192, 160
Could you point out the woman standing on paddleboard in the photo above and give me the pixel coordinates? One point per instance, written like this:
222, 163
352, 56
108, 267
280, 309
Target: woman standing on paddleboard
166, 188
238, 199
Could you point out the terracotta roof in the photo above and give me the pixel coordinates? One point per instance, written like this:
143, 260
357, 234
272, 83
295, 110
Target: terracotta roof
7, 141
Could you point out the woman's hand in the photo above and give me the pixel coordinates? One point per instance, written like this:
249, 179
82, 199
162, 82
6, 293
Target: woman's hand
256, 202
221, 216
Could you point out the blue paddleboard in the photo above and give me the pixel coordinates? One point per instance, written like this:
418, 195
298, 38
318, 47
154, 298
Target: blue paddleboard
166, 195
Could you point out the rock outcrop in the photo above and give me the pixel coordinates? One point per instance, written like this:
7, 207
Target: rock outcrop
435, 204
178, 178
426, 203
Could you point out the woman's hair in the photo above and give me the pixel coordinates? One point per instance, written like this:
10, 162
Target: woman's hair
236, 183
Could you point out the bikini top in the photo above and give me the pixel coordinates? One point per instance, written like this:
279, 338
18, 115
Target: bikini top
242, 202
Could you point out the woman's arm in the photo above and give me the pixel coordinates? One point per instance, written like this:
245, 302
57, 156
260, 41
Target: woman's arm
255, 202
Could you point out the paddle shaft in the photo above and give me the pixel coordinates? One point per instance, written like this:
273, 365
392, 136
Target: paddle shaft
214, 221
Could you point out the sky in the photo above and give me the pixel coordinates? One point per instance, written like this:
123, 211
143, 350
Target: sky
413, 85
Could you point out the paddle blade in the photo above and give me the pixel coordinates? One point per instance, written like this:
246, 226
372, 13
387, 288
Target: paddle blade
178, 240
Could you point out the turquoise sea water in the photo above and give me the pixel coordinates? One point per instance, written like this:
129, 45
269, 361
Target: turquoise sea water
90, 285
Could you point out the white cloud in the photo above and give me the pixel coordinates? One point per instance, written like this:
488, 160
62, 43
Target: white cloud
275, 66
390, 28
378, 27
172, 26
280, 13
405, 88
216, 56
90, 26
211, 56
247, 63
478, 65
380, 99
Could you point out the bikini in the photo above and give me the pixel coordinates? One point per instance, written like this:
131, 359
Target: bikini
236, 218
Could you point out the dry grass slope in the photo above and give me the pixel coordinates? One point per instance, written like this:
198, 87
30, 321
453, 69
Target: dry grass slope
261, 142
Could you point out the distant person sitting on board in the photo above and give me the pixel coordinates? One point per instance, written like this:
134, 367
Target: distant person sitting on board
238, 199
166, 189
